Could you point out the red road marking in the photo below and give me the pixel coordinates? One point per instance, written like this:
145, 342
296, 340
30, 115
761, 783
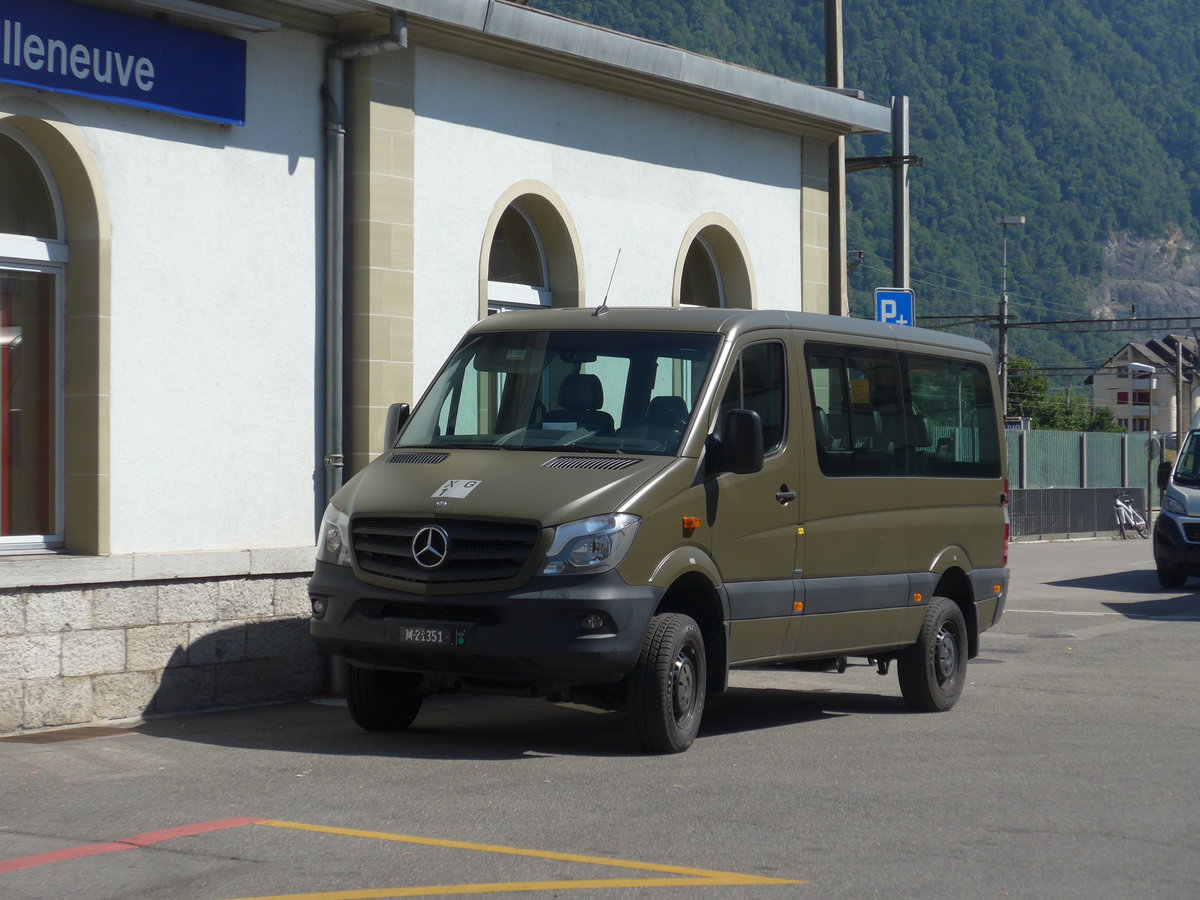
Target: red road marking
129, 843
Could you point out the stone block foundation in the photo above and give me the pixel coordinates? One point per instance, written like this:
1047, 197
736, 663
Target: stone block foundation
76, 654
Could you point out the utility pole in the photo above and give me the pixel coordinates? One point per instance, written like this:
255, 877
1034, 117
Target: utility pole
835, 77
1004, 222
900, 226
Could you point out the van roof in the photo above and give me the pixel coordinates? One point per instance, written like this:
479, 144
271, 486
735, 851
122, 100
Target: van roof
728, 322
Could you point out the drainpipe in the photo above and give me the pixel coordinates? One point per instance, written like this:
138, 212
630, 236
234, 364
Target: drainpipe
332, 338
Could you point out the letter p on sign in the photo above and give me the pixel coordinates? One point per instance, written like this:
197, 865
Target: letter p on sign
894, 306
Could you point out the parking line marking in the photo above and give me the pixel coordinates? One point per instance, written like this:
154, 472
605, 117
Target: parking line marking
491, 848
684, 875
681, 875
442, 890
129, 843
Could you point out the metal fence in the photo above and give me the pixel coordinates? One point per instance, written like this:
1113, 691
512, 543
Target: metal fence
1077, 459
1068, 512
1063, 482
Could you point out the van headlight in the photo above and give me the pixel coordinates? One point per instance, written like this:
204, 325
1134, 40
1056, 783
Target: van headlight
1171, 505
333, 540
591, 545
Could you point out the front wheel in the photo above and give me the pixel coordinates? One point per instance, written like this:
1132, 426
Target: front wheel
666, 687
380, 700
933, 671
1169, 577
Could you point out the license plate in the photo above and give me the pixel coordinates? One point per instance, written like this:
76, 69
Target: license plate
422, 633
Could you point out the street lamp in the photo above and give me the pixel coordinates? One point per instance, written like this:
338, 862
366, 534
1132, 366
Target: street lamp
1148, 371
1004, 222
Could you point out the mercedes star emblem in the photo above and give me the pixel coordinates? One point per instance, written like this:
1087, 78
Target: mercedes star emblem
429, 546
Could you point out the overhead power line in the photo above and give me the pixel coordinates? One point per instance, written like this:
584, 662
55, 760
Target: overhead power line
1165, 324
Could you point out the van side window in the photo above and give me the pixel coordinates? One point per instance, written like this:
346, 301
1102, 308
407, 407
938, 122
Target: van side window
953, 425
758, 383
858, 410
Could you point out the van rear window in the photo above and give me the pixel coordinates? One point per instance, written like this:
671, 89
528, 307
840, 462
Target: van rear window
881, 413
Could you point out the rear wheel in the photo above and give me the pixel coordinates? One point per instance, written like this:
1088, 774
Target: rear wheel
666, 688
933, 671
380, 700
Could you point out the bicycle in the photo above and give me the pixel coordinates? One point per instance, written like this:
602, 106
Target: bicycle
1127, 516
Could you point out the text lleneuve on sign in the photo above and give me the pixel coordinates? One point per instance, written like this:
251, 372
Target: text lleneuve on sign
70, 48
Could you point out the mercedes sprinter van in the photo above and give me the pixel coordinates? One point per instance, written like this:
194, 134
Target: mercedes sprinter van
618, 506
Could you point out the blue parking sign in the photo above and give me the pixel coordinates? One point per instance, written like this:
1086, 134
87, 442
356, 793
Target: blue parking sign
894, 306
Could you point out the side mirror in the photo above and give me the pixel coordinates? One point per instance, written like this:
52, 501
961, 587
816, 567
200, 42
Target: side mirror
1164, 475
397, 415
741, 442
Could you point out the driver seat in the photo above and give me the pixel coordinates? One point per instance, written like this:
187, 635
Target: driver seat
581, 397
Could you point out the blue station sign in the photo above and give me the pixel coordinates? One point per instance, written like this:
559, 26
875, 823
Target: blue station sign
71, 48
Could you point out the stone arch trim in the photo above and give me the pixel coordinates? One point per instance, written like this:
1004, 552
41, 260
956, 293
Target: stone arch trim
560, 241
88, 292
733, 260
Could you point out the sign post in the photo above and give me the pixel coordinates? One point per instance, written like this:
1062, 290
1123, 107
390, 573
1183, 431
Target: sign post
894, 306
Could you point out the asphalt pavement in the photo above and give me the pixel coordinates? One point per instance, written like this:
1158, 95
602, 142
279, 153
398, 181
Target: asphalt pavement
1067, 770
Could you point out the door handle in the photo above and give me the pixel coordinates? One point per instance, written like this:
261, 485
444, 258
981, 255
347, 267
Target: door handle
784, 496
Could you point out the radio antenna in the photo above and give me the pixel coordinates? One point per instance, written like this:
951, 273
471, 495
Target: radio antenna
603, 307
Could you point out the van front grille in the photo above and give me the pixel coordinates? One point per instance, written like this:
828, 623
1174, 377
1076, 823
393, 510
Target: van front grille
1191, 531
473, 551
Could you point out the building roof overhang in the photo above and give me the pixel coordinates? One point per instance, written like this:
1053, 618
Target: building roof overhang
537, 41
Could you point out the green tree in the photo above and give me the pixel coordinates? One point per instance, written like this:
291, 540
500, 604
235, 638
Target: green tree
1029, 395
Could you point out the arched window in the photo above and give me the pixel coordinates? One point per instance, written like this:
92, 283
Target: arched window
701, 284
712, 268
518, 276
33, 255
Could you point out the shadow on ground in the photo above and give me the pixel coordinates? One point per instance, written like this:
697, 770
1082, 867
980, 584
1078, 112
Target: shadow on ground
470, 727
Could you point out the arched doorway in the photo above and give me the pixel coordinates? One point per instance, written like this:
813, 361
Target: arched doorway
33, 257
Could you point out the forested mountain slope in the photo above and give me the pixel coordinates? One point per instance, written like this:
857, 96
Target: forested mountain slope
1082, 115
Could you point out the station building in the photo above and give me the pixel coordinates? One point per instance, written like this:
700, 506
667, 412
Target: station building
232, 233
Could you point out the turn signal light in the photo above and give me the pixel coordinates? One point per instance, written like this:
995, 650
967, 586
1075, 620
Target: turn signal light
690, 524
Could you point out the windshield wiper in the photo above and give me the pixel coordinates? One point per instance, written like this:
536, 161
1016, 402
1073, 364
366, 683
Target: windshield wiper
578, 447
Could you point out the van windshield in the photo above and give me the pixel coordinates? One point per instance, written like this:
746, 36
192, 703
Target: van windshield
1187, 469
590, 391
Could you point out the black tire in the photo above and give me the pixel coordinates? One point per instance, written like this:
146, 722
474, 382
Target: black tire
380, 700
933, 671
1168, 576
666, 688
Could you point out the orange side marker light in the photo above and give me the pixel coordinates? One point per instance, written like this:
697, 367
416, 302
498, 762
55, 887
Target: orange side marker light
690, 524
917, 598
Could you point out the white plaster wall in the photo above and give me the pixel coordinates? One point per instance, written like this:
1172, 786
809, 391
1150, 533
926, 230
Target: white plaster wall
215, 273
634, 176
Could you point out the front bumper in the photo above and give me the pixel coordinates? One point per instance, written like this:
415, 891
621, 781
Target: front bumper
1171, 544
532, 637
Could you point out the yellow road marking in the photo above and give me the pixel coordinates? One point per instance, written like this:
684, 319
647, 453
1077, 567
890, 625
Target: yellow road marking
684, 875
527, 886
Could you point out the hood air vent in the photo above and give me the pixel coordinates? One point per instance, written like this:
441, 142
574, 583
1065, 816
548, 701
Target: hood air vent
589, 462
429, 458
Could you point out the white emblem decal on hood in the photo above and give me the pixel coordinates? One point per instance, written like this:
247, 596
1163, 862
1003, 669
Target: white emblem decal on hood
456, 488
